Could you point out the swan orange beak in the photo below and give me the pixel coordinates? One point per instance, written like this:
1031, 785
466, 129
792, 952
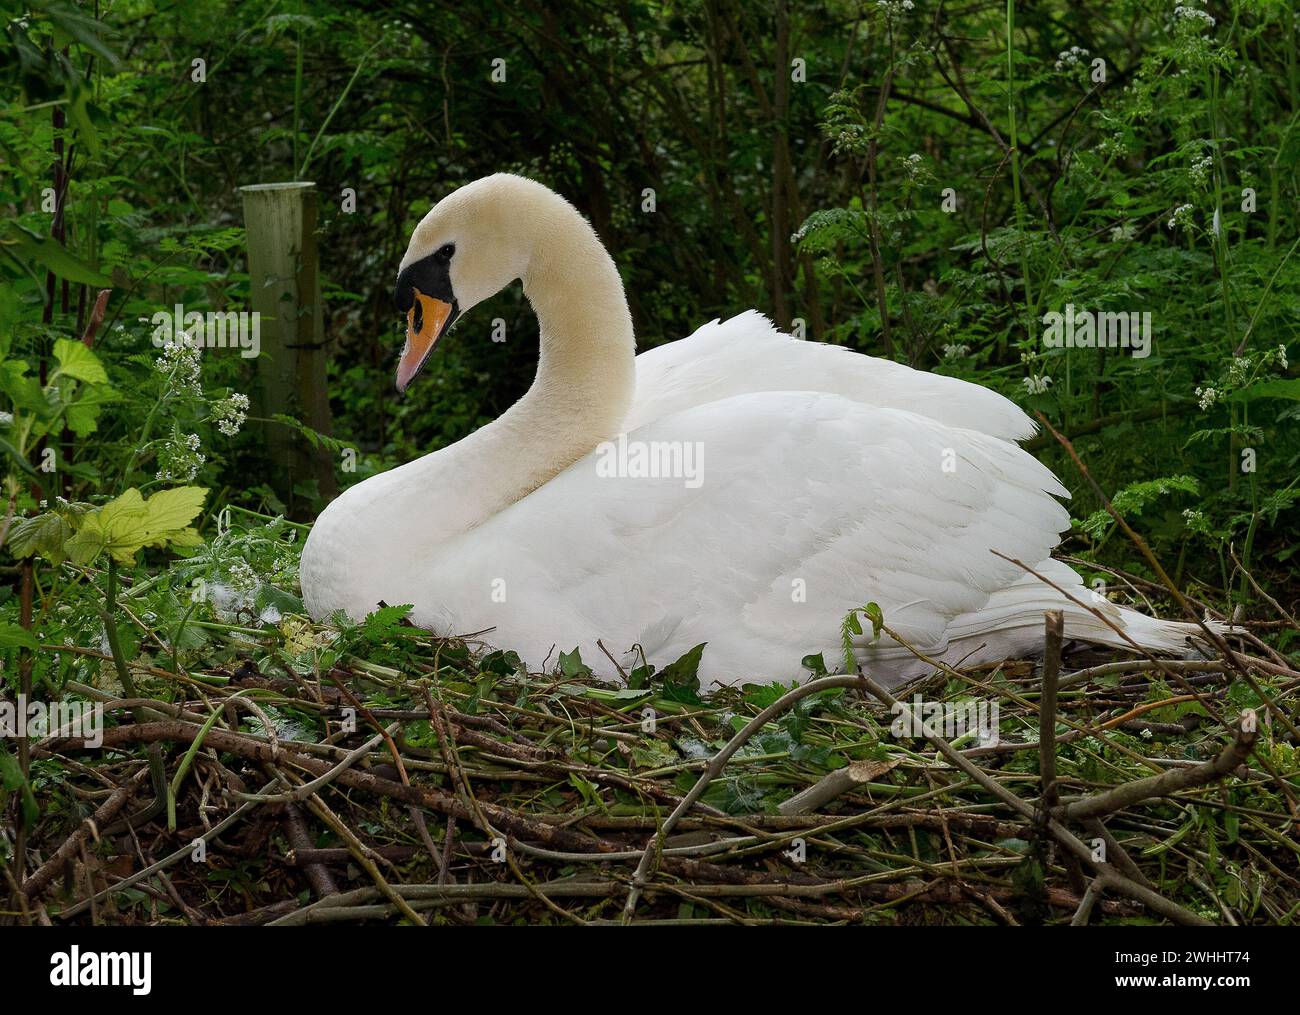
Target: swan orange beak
425, 322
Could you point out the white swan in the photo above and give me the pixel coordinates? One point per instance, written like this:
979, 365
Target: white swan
809, 481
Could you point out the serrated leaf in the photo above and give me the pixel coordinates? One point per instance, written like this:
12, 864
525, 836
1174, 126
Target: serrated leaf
75, 360
129, 523
13, 636
45, 534
174, 509
83, 414
1277, 388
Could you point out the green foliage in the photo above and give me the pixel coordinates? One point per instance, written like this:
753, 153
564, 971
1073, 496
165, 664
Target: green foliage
879, 202
121, 528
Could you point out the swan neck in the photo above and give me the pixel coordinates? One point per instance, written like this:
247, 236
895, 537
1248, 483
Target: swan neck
586, 373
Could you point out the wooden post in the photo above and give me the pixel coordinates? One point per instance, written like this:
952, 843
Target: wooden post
284, 289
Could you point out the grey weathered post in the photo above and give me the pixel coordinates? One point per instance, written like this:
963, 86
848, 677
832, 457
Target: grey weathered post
284, 288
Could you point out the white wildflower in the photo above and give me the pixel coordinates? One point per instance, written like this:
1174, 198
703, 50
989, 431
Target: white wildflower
1071, 57
1037, 384
1207, 396
1182, 216
1200, 171
1192, 15
1123, 233
230, 413
179, 459
181, 362
243, 578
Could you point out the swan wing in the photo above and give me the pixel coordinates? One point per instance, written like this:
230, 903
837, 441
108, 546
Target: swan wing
796, 507
747, 354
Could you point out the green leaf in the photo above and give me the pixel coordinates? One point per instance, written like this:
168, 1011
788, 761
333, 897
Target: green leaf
83, 414
12, 778
173, 509
1277, 388
681, 681
686, 668
127, 524
12, 452
572, 666
13, 636
45, 534
50, 254
75, 360
25, 392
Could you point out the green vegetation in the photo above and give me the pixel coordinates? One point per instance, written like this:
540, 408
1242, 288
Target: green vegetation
926, 182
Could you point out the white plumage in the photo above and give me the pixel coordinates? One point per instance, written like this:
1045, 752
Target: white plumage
816, 480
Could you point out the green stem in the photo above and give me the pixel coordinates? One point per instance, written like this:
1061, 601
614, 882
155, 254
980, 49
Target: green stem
1015, 166
157, 771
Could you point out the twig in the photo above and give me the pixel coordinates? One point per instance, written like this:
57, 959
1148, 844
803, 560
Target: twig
1229, 759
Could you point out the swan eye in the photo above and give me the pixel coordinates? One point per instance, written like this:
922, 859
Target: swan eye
445, 251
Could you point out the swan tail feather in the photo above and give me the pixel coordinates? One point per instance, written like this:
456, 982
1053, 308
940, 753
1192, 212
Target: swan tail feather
1011, 623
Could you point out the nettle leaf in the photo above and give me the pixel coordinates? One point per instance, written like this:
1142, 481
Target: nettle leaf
75, 360
1277, 388
45, 534
126, 525
13, 636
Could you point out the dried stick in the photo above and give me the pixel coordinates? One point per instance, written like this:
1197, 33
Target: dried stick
1229, 759
714, 769
835, 785
318, 875
107, 811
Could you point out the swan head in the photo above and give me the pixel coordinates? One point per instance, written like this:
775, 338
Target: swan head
476, 241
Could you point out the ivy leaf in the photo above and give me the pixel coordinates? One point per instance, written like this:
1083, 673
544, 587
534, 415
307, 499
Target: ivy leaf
681, 678
572, 666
